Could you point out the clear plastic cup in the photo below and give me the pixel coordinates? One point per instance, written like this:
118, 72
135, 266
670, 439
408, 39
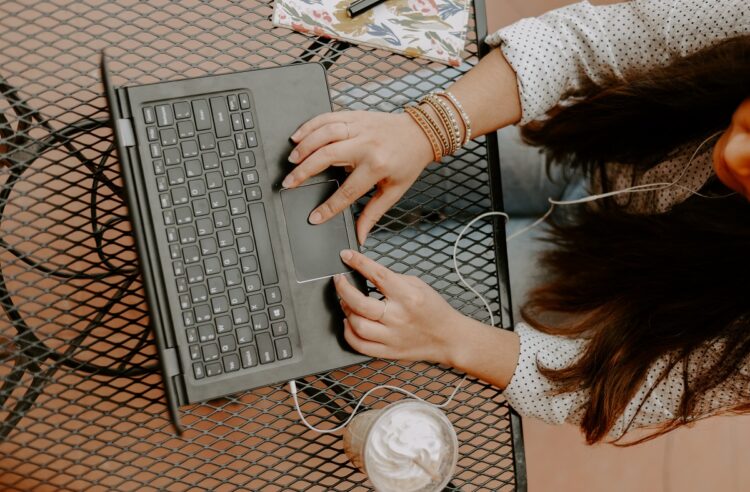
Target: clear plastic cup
408, 446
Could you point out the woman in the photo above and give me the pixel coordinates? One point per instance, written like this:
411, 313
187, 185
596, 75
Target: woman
642, 318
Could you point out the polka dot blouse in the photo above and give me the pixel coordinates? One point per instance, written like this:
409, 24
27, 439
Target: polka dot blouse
567, 49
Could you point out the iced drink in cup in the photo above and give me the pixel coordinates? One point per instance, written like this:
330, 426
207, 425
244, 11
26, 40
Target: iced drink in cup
408, 446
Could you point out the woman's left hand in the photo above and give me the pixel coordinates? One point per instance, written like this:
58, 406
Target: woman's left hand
413, 322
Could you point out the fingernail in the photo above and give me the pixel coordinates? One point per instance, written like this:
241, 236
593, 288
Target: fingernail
294, 156
295, 135
347, 254
315, 217
288, 181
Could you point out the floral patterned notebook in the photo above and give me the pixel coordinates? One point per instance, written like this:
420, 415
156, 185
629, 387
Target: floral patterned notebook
432, 29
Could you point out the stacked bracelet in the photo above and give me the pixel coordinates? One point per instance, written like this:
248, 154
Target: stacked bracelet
418, 117
464, 117
445, 134
448, 120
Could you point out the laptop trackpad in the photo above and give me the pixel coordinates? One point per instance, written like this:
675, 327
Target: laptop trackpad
315, 248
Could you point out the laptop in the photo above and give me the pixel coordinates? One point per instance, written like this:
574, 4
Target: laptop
237, 280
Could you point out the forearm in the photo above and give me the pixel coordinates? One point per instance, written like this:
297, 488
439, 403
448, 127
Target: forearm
488, 353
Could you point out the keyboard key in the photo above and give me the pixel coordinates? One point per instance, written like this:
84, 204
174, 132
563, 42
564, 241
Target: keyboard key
174, 251
249, 356
206, 141
189, 148
191, 254
219, 304
265, 348
164, 116
247, 119
197, 187
171, 156
178, 267
236, 296
233, 277
226, 148
183, 215
273, 295
226, 238
252, 139
283, 348
172, 234
239, 141
188, 318
244, 335
161, 183
279, 329
155, 150
221, 218
194, 274
159, 166
229, 257
234, 104
176, 176
240, 316
195, 352
214, 180
200, 207
202, 313
276, 313
179, 195
220, 115
210, 351
212, 265
168, 217
201, 115
186, 129
199, 294
252, 283
181, 284
260, 322
224, 324
210, 160
168, 137
241, 225
256, 302
213, 369
192, 335
236, 122
247, 159
187, 234
182, 110
152, 134
253, 193
227, 343
208, 246
204, 226
206, 333
263, 243
148, 115
236, 206
231, 363
245, 244
244, 100
218, 199
198, 370
193, 168
249, 264
230, 167
250, 177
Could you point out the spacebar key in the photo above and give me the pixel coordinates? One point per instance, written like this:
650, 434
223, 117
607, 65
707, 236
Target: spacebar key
263, 243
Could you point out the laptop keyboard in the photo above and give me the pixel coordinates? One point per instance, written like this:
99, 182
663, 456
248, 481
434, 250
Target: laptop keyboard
223, 266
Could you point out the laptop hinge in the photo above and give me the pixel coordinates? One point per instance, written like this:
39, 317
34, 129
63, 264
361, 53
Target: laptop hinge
125, 134
171, 364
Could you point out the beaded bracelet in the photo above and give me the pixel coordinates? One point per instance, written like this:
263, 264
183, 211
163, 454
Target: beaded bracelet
419, 118
464, 117
444, 138
447, 118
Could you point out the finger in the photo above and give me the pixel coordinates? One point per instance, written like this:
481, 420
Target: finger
367, 328
387, 282
338, 153
356, 184
374, 210
332, 132
358, 302
314, 123
361, 345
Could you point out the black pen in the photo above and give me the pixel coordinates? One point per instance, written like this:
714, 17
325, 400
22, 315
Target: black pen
358, 6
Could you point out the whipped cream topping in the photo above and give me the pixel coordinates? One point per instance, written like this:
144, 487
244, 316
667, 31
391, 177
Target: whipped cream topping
408, 449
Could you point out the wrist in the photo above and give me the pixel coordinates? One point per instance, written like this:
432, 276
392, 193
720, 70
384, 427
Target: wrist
456, 331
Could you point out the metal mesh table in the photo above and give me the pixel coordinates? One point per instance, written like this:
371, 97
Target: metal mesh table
81, 401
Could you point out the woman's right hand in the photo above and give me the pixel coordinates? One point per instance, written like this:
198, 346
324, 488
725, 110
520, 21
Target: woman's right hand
383, 149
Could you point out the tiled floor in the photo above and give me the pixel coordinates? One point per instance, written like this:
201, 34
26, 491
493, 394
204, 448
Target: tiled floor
713, 455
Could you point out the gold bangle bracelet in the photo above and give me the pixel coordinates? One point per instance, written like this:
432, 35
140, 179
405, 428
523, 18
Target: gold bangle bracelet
425, 127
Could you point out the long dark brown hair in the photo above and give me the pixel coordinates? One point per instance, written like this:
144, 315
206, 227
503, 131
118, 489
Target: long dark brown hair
644, 287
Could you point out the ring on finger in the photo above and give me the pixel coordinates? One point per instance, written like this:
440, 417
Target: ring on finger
385, 308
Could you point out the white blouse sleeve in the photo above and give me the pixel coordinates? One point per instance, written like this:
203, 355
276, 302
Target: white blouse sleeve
531, 394
566, 49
